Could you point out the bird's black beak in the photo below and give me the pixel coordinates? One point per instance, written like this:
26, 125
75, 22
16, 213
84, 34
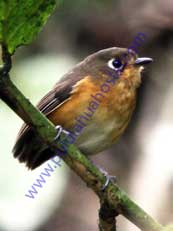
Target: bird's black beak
143, 61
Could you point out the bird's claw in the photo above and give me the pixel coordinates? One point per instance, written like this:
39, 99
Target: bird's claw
60, 131
109, 178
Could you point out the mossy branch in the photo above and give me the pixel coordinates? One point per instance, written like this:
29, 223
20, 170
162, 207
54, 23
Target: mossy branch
107, 217
114, 201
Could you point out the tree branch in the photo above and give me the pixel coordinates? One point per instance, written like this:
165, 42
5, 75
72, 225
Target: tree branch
107, 217
6, 58
114, 200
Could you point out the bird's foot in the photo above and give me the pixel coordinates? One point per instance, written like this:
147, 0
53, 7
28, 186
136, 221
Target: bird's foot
62, 140
60, 131
109, 178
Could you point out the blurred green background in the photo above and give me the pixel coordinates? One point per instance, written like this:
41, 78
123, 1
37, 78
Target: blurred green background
143, 158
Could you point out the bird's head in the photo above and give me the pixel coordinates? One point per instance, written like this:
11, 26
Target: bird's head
121, 63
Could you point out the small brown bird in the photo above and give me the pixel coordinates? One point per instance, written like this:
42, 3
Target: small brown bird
93, 102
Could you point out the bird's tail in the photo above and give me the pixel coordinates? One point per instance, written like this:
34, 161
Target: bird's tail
30, 149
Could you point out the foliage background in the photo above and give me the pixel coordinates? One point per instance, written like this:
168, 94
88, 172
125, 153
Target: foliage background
142, 160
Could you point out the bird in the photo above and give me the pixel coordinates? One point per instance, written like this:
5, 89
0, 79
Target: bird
93, 103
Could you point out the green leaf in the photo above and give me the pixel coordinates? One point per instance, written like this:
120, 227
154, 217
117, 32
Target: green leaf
21, 20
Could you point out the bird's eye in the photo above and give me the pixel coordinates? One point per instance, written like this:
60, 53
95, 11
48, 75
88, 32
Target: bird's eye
115, 64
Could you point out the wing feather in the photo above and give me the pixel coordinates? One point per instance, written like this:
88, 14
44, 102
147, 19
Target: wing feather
28, 146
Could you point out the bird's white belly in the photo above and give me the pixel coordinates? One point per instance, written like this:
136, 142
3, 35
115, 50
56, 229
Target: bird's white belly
94, 138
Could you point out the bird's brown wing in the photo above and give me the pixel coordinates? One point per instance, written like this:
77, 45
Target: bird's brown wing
49, 103
28, 147
57, 95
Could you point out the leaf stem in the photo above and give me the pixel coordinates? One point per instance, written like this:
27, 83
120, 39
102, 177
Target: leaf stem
6, 58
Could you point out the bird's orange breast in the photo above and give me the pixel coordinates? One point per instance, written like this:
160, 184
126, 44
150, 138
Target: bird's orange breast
110, 116
117, 101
